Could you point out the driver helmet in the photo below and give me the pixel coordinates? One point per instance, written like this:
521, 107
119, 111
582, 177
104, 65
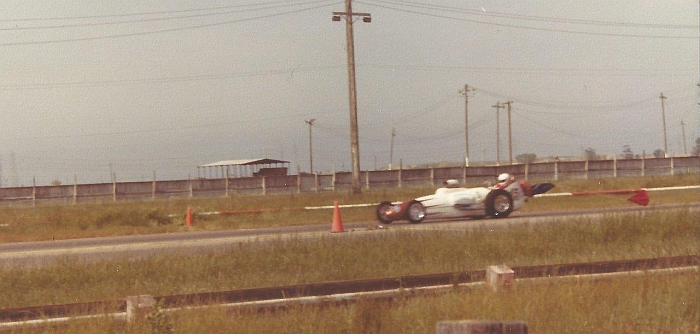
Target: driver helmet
451, 184
504, 178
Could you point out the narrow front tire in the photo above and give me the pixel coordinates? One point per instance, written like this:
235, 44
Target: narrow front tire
383, 210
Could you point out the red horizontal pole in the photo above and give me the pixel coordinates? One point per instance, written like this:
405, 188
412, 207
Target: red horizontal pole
607, 192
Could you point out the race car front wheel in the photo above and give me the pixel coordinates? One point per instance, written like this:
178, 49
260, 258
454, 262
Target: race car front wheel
499, 203
415, 212
383, 210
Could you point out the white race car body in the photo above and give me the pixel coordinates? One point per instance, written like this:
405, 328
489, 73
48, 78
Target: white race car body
450, 202
461, 202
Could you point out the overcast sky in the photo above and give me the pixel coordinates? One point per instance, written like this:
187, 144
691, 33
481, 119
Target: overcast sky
133, 87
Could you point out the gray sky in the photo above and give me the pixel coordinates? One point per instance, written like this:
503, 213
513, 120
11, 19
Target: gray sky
134, 87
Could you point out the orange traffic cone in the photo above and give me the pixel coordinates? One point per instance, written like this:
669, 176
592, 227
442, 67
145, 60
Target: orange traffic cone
188, 217
337, 221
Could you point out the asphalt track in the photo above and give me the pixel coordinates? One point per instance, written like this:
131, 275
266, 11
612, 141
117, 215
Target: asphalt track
134, 247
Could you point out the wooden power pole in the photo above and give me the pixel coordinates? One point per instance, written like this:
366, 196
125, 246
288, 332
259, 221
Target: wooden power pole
391, 150
352, 86
498, 107
663, 115
510, 133
465, 92
310, 122
685, 148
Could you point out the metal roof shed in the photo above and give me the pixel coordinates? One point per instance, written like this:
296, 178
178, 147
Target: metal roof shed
243, 168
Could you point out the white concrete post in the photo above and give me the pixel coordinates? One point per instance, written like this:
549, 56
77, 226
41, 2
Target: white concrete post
137, 307
264, 186
499, 276
673, 169
333, 181
75, 188
315, 182
34, 190
527, 170
153, 187
114, 188
227, 183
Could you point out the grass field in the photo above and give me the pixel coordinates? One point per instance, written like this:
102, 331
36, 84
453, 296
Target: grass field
99, 219
336, 257
650, 303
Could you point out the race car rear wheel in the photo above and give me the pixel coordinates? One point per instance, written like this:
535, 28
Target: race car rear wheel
383, 209
499, 203
415, 212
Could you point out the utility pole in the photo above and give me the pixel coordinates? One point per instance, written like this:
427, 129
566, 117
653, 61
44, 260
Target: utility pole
391, 151
310, 122
465, 92
510, 134
352, 86
663, 115
498, 107
698, 84
685, 149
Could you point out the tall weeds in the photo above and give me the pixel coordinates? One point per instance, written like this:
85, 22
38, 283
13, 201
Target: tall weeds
378, 253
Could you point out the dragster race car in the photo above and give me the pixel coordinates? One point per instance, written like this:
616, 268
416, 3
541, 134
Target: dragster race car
452, 201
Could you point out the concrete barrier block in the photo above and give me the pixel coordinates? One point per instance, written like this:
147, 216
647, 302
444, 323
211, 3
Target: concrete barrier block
137, 307
499, 276
481, 327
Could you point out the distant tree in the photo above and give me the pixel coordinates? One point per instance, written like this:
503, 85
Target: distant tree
659, 153
627, 152
526, 158
591, 155
55, 183
696, 149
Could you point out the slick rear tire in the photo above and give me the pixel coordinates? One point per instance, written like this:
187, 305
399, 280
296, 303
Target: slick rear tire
415, 212
499, 204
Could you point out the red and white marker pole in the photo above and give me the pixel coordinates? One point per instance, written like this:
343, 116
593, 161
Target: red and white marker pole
640, 196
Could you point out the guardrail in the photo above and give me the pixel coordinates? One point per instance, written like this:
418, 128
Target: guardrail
259, 299
225, 187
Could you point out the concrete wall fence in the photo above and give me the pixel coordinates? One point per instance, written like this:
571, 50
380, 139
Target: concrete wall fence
224, 187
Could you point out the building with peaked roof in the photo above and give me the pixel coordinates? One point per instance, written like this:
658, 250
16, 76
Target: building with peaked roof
243, 168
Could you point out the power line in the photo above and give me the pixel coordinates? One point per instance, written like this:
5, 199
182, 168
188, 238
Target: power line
526, 27
616, 72
483, 12
585, 108
432, 107
168, 12
555, 129
170, 18
160, 31
204, 77
153, 130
